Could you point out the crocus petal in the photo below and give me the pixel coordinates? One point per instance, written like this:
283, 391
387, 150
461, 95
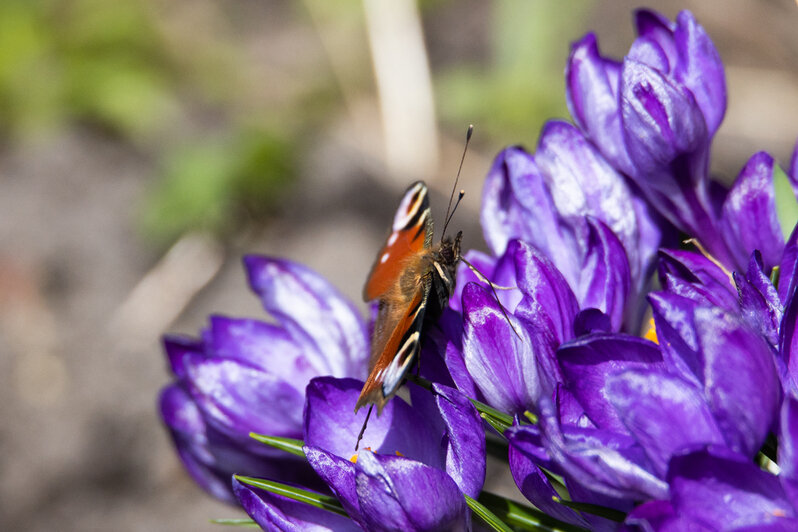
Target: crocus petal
740, 379
605, 281
591, 320
664, 413
259, 344
602, 461
339, 474
537, 488
788, 438
463, 441
582, 183
275, 512
331, 425
724, 491
793, 174
548, 302
483, 262
498, 353
500, 272
714, 284
528, 440
667, 141
184, 421
653, 26
176, 348
660, 516
588, 362
788, 339
591, 83
759, 301
788, 268
700, 69
676, 334
749, 218
517, 204
238, 398
306, 304
396, 493
661, 120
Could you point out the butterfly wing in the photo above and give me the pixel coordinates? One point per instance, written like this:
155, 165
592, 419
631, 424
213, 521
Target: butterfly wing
411, 232
395, 345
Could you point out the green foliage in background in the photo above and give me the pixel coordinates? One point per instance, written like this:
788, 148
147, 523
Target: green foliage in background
218, 184
522, 85
86, 60
172, 79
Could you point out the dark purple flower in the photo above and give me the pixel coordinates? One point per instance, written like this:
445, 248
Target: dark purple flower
713, 489
713, 382
414, 464
249, 376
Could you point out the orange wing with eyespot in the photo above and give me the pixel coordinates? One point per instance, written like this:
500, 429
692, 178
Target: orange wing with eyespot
395, 345
411, 232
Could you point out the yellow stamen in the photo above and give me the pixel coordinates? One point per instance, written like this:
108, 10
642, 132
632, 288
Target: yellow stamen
398, 453
651, 333
354, 456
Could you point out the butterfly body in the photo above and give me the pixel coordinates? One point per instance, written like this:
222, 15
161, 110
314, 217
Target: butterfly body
412, 279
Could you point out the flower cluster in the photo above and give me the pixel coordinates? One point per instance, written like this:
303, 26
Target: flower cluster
607, 419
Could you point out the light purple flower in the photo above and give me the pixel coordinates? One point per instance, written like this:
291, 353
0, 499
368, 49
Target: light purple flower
653, 115
249, 376
568, 202
414, 465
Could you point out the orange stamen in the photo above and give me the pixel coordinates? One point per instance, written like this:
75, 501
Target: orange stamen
651, 333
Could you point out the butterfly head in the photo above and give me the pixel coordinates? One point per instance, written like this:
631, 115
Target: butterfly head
450, 249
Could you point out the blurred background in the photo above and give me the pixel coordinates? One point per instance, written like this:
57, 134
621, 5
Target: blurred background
146, 145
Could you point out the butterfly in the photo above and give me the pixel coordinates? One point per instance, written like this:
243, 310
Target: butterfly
412, 279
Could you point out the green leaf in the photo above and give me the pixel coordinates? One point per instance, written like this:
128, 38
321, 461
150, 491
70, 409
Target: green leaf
325, 502
522, 516
488, 517
595, 509
288, 445
496, 415
496, 424
786, 205
246, 522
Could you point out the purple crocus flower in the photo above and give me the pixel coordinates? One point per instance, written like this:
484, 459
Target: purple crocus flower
507, 356
653, 116
713, 382
568, 201
713, 489
249, 376
414, 466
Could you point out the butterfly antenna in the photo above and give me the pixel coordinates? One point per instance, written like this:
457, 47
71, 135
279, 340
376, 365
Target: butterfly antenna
363, 429
451, 214
495, 295
456, 179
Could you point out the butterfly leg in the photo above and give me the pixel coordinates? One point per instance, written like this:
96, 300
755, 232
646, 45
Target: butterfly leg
363, 429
